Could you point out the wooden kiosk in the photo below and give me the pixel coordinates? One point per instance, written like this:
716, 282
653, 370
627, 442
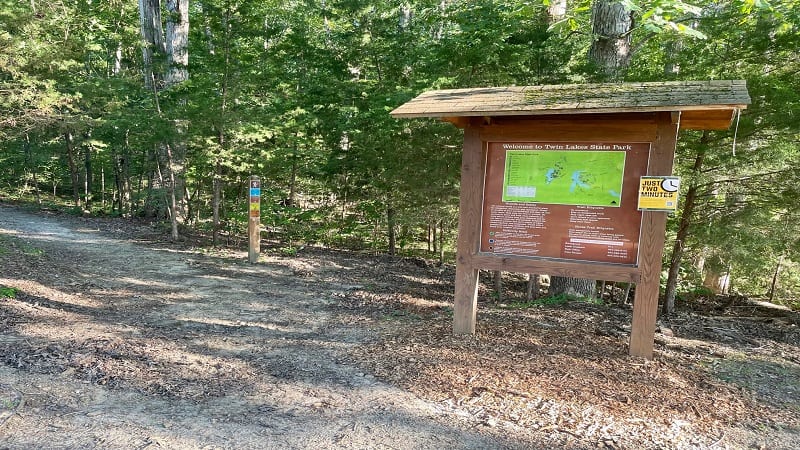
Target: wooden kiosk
551, 180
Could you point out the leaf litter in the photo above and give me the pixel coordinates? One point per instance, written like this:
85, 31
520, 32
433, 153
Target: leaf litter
726, 374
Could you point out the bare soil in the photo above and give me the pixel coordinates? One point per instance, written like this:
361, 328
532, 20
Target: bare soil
113, 337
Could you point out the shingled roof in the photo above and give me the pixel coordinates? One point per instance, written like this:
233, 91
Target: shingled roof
703, 104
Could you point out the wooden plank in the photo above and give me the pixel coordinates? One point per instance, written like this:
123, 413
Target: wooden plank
707, 120
559, 268
651, 243
634, 128
469, 224
459, 122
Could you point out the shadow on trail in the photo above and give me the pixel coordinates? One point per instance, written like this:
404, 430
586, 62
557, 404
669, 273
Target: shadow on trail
238, 353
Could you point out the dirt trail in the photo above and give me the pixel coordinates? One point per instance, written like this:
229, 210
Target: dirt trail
111, 338
118, 345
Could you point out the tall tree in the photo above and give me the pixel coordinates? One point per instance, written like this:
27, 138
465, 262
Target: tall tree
612, 27
611, 23
733, 176
166, 59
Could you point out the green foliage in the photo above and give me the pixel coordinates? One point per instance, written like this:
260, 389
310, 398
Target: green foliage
288, 251
695, 292
555, 300
8, 292
298, 93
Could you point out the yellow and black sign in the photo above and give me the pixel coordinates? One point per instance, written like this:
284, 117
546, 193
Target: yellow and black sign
659, 193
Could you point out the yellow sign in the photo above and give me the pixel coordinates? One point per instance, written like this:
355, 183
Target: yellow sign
255, 209
658, 193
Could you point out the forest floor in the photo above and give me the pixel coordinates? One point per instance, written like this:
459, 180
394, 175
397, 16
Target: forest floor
112, 337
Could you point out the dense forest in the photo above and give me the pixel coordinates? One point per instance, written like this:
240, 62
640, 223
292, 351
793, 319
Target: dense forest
165, 109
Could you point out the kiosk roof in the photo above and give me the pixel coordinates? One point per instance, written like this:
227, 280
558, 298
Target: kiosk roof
704, 105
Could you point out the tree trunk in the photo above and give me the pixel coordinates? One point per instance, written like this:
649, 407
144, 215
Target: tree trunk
344, 197
717, 281
73, 168
32, 167
684, 224
102, 187
293, 181
168, 56
441, 242
88, 179
117, 68
573, 287
173, 201
215, 202
671, 49
135, 206
774, 283
627, 293
556, 10
177, 42
176, 72
125, 206
533, 287
431, 238
221, 138
391, 219
498, 285
153, 39
612, 23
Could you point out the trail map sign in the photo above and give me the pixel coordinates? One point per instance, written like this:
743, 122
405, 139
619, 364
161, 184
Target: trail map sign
572, 181
563, 200
563, 177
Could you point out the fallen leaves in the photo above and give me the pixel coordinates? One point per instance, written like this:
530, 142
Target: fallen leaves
544, 368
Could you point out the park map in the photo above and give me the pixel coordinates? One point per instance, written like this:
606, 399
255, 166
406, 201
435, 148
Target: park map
591, 178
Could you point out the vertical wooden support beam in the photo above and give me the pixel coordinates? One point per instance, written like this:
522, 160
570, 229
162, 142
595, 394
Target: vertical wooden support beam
469, 228
651, 242
254, 222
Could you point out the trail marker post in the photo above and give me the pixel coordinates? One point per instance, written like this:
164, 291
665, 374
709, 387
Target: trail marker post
254, 222
562, 180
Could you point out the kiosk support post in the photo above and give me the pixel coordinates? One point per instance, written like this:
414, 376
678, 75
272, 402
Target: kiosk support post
469, 219
654, 224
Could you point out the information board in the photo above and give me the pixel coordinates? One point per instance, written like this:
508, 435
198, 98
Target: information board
564, 200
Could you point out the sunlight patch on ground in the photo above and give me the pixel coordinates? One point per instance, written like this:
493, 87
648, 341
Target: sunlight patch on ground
138, 282
79, 329
217, 278
420, 280
240, 323
35, 289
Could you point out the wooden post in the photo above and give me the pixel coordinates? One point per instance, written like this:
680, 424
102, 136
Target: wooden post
651, 243
254, 223
469, 225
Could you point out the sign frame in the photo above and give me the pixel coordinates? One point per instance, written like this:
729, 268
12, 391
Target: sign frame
594, 216
660, 129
